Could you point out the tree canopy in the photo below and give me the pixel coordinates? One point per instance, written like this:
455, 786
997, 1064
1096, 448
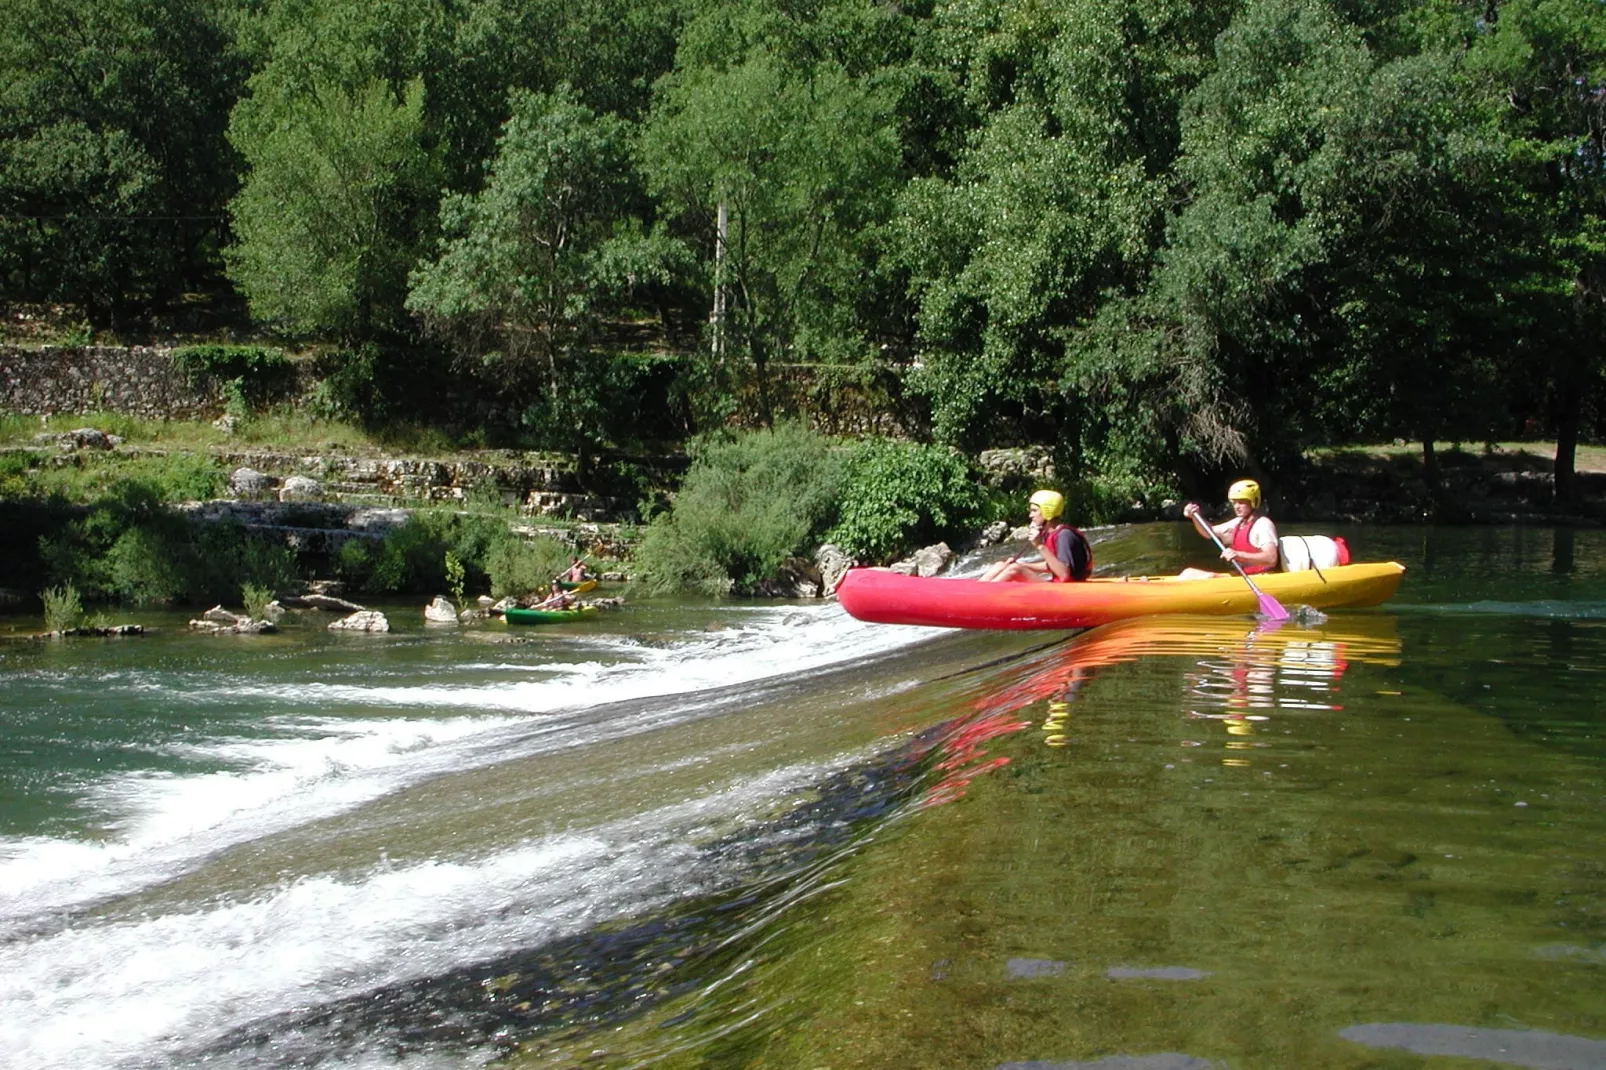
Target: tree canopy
1162, 236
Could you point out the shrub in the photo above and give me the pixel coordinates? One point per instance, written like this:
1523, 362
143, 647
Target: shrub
747, 504
63, 607
249, 375
412, 558
900, 495
129, 548
518, 566
256, 600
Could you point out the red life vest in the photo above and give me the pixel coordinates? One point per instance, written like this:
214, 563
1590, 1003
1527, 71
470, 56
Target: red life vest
1081, 563
1241, 543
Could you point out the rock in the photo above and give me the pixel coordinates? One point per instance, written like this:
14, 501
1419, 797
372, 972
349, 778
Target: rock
301, 489
225, 423
242, 626
993, 533
91, 438
925, 562
485, 601
441, 611
368, 620
614, 577
219, 615
249, 484
273, 612
833, 564
797, 578
504, 605
323, 601
473, 616
82, 438
1010, 469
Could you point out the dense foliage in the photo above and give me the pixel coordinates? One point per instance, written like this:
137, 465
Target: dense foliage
897, 496
747, 504
1165, 235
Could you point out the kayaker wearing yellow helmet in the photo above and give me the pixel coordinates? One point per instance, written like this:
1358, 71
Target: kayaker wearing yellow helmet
1066, 554
1250, 536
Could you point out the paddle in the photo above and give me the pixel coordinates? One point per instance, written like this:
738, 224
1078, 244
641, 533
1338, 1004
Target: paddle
1270, 608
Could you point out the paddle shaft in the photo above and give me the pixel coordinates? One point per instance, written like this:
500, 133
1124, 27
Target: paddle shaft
1268, 605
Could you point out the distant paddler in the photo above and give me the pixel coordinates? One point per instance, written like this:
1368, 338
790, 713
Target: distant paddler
1064, 554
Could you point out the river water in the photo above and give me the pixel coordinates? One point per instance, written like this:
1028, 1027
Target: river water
743, 834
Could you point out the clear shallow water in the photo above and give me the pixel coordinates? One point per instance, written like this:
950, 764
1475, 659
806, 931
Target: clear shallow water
797, 840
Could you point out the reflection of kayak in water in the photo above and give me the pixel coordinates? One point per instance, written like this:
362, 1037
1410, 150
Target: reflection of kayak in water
885, 597
1321, 652
549, 616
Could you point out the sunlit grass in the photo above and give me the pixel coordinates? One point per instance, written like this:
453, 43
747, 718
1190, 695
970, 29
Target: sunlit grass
1536, 456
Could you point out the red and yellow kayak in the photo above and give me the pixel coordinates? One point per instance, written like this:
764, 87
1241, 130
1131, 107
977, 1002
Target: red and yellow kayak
883, 597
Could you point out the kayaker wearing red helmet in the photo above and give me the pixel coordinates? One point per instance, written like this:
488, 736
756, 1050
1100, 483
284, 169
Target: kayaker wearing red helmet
1250, 536
1066, 554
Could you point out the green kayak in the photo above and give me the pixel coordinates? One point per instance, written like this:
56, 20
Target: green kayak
548, 616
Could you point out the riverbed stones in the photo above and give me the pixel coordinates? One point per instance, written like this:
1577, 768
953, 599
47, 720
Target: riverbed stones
368, 620
441, 611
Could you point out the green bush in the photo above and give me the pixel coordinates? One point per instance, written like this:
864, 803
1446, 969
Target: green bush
250, 376
746, 505
256, 599
897, 496
63, 607
412, 558
519, 566
128, 547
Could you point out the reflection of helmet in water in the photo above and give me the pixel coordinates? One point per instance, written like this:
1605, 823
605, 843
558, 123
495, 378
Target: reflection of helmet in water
1245, 490
1049, 502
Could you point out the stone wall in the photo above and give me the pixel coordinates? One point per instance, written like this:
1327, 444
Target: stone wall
138, 380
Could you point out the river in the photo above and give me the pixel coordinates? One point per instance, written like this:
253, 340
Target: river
764, 834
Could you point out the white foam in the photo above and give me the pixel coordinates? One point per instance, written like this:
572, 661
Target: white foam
319, 766
144, 991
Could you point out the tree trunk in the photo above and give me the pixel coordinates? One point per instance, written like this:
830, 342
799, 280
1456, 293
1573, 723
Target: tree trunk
1430, 469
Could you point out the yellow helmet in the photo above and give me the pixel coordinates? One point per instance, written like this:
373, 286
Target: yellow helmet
1049, 502
1245, 490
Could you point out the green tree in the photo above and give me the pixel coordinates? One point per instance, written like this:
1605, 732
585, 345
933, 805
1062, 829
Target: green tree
114, 168
1543, 65
527, 265
803, 162
1055, 203
326, 223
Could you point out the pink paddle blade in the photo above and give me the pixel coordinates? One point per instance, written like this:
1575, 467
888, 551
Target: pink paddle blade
1270, 608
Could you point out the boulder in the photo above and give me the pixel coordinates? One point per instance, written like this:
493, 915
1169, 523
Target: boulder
833, 563
368, 620
993, 533
441, 611
249, 484
301, 489
221, 616
797, 578
927, 561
